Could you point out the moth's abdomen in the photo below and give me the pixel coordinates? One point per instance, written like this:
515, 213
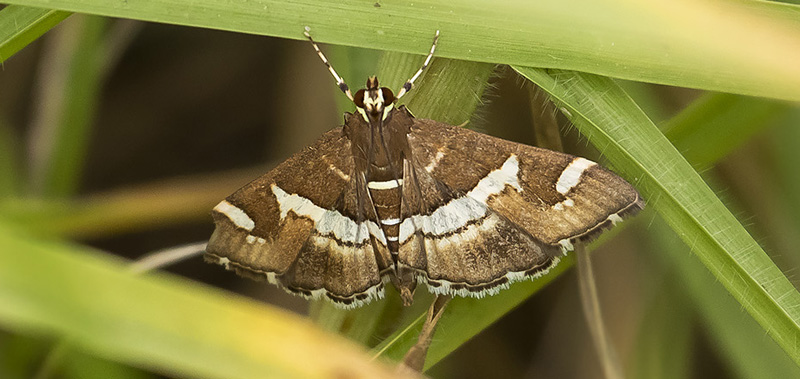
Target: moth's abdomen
386, 195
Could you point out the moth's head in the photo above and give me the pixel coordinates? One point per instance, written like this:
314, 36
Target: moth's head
374, 102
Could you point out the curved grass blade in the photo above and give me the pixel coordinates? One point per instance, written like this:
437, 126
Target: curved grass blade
750, 48
618, 128
159, 321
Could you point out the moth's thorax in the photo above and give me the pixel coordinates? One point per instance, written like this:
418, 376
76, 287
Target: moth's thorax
374, 102
380, 146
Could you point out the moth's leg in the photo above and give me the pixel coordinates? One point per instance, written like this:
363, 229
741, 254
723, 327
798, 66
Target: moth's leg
414, 360
410, 82
339, 81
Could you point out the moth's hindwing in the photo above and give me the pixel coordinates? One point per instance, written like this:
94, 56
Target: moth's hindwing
460, 246
484, 212
303, 226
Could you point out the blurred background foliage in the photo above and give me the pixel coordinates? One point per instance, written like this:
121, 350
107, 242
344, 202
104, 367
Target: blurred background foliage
118, 136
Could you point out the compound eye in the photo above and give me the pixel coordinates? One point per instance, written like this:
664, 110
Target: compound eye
358, 99
388, 95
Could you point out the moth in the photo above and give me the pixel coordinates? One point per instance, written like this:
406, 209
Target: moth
389, 198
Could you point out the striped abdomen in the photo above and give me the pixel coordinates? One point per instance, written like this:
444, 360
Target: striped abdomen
386, 196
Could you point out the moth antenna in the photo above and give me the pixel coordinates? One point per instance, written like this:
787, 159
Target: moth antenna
339, 81
410, 82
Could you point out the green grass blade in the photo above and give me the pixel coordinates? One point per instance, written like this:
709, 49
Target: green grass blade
126, 210
19, 26
618, 128
159, 321
749, 48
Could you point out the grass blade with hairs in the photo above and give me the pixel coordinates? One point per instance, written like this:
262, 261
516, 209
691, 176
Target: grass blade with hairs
618, 128
747, 48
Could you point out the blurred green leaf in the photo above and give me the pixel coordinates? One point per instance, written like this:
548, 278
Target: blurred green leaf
665, 345
743, 342
17, 352
74, 75
727, 120
750, 48
787, 160
80, 365
126, 210
648, 98
65, 361
9, 160
159, 321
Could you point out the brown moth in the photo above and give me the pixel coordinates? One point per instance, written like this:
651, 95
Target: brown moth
392, 198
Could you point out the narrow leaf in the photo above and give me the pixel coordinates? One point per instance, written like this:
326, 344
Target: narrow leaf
749, 48
19, 26
624, 134
160, 321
